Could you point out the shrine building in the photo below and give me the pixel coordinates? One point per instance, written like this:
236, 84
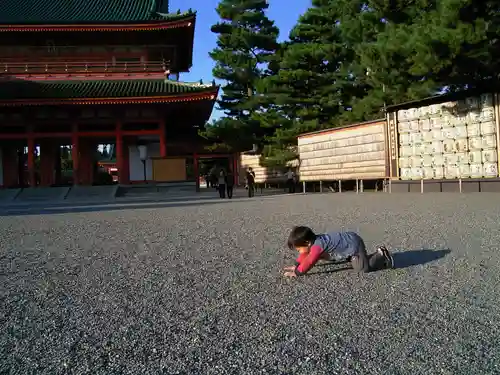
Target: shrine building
90, 72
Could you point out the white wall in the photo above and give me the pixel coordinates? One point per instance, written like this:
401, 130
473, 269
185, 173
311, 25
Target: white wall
1, 167
135, 163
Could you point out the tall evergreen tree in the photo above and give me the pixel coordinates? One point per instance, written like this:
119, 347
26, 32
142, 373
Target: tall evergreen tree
246, 41
425, 46
308, 92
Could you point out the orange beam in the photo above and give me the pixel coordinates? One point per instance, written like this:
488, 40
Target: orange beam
162, 25
79, 134
210, 95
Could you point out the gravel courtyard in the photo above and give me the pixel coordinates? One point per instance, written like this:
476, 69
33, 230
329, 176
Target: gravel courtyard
198, 289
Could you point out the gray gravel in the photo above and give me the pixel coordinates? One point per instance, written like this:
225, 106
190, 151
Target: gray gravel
188, 289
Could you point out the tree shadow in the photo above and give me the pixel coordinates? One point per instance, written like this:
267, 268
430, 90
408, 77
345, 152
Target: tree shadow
406, 259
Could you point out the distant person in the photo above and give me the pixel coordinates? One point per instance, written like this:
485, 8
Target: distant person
250, 178
334, 246
229, 183
290, 181
213, 177
222, 184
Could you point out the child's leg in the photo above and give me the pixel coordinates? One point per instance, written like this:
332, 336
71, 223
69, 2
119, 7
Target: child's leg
380, 259
377, 261
360, 260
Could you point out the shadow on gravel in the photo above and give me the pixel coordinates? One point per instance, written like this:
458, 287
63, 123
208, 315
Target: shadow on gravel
412, 258
82, 207
404, 259
335, 264
332, 270
109, 207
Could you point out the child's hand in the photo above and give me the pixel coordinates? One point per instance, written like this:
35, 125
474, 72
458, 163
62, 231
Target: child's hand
289, 268
290, 274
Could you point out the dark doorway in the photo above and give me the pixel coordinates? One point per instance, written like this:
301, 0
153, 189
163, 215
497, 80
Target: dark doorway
209, 168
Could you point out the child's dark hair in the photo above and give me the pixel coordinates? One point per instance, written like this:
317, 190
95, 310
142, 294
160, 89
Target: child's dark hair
300, 236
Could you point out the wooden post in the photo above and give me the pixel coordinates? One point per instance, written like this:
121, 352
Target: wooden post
119, 152
31, 160
10, 161
48, 155
75, 154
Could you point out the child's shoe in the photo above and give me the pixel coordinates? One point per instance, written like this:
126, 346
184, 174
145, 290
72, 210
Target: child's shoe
389, 260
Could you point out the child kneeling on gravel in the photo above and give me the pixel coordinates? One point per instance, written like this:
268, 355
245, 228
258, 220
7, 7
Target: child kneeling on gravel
334, 246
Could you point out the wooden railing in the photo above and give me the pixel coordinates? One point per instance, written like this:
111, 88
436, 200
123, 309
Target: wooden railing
69, 68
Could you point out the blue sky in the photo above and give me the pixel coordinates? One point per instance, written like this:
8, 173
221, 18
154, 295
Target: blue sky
284, 12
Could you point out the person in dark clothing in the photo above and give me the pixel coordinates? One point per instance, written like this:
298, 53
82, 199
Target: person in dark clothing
250, 177
229, 183
334, 246
222, 184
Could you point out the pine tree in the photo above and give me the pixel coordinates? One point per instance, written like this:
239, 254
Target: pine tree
247, 40
307, 93
426, 46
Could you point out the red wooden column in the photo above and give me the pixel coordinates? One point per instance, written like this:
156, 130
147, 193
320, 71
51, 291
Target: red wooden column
196, 171
10, 166
31, 159
75, 154
120, 159
163, 139
85, 161
126, 160
48, 154
57, 164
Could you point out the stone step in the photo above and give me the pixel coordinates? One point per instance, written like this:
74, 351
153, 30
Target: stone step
87, 193
42, 194
8, 195
155, 190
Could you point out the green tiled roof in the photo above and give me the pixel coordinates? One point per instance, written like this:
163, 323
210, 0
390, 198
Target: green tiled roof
37, 12
31, 90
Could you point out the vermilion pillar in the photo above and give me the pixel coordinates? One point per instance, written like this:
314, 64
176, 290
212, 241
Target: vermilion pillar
75, 154
48, 154
120, 162
57, 164
163, 139
82, 161
126, 161
10, 166
86, 161
31, 161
